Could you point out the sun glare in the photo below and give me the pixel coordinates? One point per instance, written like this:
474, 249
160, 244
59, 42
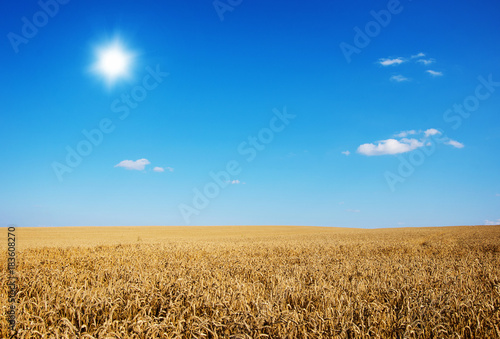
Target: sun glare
113, 62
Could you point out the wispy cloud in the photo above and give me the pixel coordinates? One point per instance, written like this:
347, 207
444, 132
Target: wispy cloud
406, 133
346, 152
417, 58
419, 55
454, 143
399, 78
434, 73
426, 61
431, 131
492, 222
390, 62
137, 165
427, 133
403, 144
497, 195
163, 169
235, 182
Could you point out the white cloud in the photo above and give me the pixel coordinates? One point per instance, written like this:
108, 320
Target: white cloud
163, 169
390, 62
431, 131
341, 203
352, 211
434, 73
454, 143
492, 222
137, 165
399, 78
406, 133
235, 182
390, 146
419, 55
426, 61
404, 144
346, 152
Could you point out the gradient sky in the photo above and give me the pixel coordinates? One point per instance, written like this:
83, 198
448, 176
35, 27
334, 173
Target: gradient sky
395, 123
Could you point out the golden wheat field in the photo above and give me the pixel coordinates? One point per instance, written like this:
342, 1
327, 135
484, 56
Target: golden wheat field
255, 282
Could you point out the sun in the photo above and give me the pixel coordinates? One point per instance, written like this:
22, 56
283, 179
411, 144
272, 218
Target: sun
113, 62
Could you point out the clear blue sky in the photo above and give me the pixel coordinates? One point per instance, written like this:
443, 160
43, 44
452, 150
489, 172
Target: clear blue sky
383, 123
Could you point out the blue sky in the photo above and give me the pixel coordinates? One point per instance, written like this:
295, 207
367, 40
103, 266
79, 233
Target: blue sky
325, 113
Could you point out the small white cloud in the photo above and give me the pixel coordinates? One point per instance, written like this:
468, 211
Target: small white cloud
454, 143
406, 133
419, 55
390, 62
235, 182
341, 203
434, 73
426, 61
390, 146
163, 169
431, 131
404, 144
399, 78
346, 152
492, 222
352, 211
137, 165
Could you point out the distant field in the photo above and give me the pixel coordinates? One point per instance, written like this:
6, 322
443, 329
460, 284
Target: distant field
255, 282
34, 237
31, 237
